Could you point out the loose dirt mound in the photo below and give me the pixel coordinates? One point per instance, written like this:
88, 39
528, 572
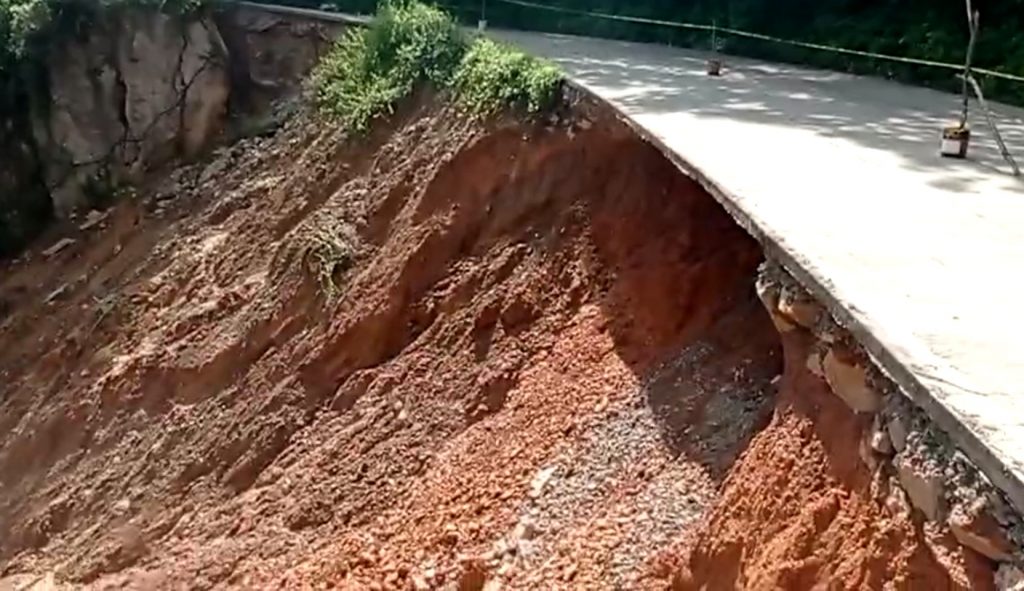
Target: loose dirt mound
443, 356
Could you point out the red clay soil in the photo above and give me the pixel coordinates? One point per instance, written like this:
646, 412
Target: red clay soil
446, 356
801, 511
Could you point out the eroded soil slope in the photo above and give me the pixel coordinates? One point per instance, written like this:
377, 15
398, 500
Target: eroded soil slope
445, 356
387, 351
802, 510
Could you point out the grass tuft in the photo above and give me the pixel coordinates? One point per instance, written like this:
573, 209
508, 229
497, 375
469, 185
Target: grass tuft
493, 75
409, 43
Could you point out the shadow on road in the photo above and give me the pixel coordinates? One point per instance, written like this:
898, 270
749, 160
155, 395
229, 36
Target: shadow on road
881, 115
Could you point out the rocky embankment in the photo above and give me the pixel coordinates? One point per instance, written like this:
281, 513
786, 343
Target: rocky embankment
139, 89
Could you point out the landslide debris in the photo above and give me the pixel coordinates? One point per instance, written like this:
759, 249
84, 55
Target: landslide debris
509, 299
449, 353
804, 508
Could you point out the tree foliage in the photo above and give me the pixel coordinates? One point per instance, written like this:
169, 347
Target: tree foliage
929, 29
410, 43
492, 75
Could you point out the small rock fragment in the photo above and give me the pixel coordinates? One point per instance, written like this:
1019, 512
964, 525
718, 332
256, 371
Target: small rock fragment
867, 453
973, 526
122, 507
896, 501
1005, 515
92, 219
880, 441
500, 549
570, 572
1009, 577
923, 486
898, 432
59, 246
829, 333
541, 480
419, 582
768, 292
450, 537
57, 293
799, 308
849, 381
814, 364
526, 529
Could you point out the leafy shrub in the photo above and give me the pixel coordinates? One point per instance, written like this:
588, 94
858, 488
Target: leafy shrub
410, 43
492, 75
369, 70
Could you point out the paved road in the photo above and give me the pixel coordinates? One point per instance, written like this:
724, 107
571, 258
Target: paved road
839, 177
923, 255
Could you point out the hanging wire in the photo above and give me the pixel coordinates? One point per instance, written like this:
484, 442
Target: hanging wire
959, 68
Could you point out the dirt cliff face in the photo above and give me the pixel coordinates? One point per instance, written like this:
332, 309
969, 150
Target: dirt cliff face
450, 355
802, 510
347, 344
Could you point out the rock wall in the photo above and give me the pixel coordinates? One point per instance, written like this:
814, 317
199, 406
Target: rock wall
261, 70
140, 88
914, 462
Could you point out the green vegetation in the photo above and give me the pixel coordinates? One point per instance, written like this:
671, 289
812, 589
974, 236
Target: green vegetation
929, 29
410, 43
492, 75
27, 26
370, 69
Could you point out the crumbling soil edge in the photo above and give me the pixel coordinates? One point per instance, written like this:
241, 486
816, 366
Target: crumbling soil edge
892, 359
